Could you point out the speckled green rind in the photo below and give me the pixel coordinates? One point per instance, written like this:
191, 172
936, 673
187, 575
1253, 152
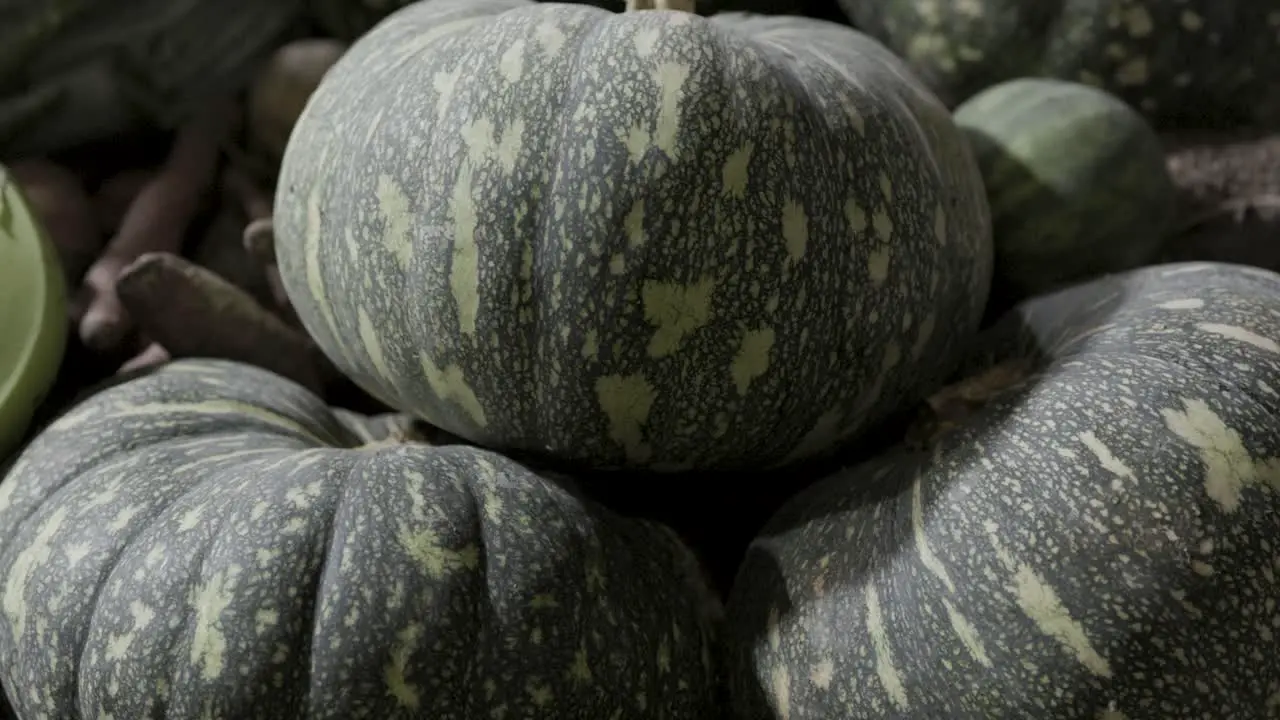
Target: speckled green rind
1076, 181
349, 19
1183, 62
76, 71
209, 541
1100, 543
644, 239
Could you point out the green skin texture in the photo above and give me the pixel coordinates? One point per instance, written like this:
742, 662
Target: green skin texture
1076, 181
349, 19
1182, 62
216, 529
33, 327
1104, 534
78, 71
551, 257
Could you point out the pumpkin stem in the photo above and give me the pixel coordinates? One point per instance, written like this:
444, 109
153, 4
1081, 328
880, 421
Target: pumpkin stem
676, 5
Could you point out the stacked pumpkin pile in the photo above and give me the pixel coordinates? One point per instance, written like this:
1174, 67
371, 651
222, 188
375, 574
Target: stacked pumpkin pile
623, 281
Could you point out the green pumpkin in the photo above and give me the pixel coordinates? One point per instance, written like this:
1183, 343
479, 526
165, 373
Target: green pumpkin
33, 321
648, 239
349, 19
1182, 62
1076, 180
210, 540
1098, 541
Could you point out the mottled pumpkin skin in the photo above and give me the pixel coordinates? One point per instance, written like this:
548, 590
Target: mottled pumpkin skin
644, 239
349, 19
1182, 62
211, 541
1099, 542
1076, 181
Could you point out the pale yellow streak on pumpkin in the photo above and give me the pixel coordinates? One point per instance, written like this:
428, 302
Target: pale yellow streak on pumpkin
967, 633
856, 216
464, 275
1244, 335
1228, 467
408, 640
423, 546
670, 78
822, 674
450, 384
752, 359
208, 643
634, 225
940, 224
25, 565
1106, 458
928, 558
118, 644
372, 344
675, 310
1040, 602
444, 84
734, 175
780, 684
397, 217
626, 401
646, 40
886, 670
550, 38
964, 630
795, 230
511, 64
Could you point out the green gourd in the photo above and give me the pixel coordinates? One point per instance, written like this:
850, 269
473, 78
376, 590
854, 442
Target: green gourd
1099, 540
1076, 180
33, 324
646, 240
211, 540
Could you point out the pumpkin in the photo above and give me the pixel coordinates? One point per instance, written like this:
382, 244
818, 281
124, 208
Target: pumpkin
349, 19
33, 325
1097, 540
1076, 181
78, 72
642, 240
1182, 62
210, 540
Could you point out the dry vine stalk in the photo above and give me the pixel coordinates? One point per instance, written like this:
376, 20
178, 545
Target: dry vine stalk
156, 221
192, 312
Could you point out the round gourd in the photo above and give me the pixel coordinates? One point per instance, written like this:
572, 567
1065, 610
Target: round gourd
1076, 181
349, 19
210, 540
1097, 541
33, 324
646, 239
1182, 62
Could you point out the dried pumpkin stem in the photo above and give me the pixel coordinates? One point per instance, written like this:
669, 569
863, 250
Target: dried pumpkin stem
156, 220
192, 312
